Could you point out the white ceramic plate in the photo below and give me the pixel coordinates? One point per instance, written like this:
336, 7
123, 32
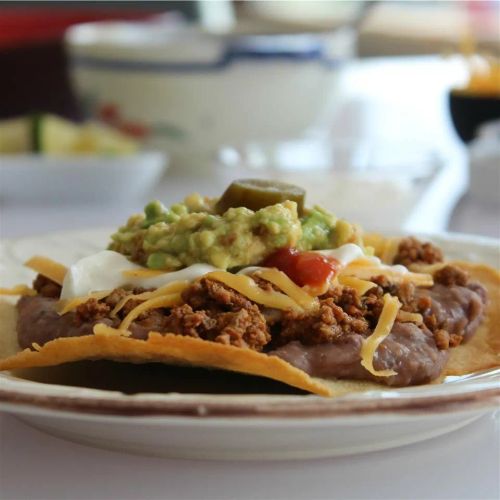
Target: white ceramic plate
239, 426
89, 178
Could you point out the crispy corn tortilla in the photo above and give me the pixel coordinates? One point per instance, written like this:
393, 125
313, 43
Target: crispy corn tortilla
107, 343
480, 353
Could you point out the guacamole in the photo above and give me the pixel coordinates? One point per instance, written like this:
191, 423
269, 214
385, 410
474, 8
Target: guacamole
192, 232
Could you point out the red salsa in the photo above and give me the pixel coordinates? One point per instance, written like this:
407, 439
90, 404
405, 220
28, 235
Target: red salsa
303, 268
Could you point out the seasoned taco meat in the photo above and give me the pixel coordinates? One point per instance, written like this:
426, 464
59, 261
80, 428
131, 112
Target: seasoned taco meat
413, 251
213, 295
330, 323
324, 343
245, 326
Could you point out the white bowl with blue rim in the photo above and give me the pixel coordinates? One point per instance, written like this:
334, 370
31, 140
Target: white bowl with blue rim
189, 92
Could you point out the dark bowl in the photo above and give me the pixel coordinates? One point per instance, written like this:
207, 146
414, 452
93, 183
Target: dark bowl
468, 112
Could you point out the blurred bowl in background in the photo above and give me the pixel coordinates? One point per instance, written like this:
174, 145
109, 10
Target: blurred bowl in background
31, 178
469, 112
188, 92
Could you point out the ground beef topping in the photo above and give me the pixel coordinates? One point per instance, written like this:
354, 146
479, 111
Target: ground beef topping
328, 324
413, 251
451, 275
213, 295
91, 310
116, 296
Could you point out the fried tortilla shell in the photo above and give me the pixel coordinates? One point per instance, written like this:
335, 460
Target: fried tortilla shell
107, 343
480, 353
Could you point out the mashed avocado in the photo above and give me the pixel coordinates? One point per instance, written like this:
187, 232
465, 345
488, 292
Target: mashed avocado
191, 232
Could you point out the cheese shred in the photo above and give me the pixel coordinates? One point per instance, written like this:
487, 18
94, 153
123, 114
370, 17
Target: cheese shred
174, 287
368, 272
408, 317
142, 273
390, 249
154, 303
48, 268
18, 290
247, 287
105, 330
66, 306
382, 330
286, 285
361, 286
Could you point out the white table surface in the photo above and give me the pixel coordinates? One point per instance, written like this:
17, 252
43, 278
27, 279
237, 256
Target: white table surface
464, 464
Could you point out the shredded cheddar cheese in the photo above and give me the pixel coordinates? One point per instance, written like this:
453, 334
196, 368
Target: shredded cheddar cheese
408, 317
361, 262
175, 286
361, 286
102, 329
18, 290
68, 305
286, 285
368, 272
389, 250
316, 291
154, 303
141, 273
48, 268
247, 287
374, 241
382, 330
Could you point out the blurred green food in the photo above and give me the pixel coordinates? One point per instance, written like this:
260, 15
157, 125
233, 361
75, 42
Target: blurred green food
52, 135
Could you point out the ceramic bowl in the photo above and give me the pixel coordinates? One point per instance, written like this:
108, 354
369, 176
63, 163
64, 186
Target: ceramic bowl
91, 178
189, 92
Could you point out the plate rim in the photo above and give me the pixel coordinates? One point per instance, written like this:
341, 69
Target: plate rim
299, 407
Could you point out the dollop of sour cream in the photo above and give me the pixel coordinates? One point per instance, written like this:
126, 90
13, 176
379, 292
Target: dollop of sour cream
350, 252
347, 253
104, 271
